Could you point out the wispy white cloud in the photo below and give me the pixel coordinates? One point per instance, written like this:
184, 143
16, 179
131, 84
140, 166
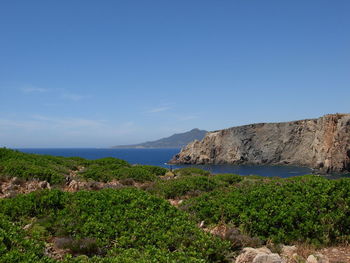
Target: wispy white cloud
64, 125
68, 123
159, 109
57, 93
41, 130
6, 124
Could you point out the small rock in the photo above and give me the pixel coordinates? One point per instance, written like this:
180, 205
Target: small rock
267, 258
249, 254
73, 186
322, 258
26, 227
246, 256
311, 259
44, 185
288, 251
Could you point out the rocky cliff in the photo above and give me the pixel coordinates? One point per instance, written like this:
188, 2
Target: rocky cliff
322, 144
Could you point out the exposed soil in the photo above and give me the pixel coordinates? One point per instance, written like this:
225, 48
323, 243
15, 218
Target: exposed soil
337, 254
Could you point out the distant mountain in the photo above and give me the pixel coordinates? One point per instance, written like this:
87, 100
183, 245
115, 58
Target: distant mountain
177, 140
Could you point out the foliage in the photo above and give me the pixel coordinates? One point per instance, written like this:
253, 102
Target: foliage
189, 171
110, 161
116, 171
305, 209
127, 222
30, 166
193, 185
16, 247
54, 169
156, 170
107, 169
35, 204
136, 173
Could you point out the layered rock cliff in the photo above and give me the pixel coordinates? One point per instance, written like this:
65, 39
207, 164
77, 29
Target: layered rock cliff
322, 144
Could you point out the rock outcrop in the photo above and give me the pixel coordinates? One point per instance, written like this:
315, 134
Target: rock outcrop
264, 255
258, 255
322, 144
10, 187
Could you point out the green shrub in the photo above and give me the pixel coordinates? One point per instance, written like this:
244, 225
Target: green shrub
110, 161
39, 203
126, 222
192, 185
103, 173
188, 171
34, 166
136, 173
306, 209
116, 171
16, 247
155, 170
227, 178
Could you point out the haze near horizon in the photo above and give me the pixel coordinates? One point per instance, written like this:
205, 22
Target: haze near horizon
97, 74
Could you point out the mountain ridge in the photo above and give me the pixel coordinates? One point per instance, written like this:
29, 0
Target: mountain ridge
177, 140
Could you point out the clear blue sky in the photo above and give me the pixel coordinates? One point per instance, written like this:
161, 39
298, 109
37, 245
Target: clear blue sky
101, 73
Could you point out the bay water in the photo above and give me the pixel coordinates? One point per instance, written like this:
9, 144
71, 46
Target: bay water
160, 157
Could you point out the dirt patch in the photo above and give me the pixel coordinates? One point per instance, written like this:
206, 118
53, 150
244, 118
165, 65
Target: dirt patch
337, 254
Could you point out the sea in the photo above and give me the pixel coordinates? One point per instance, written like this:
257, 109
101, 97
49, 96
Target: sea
160, 157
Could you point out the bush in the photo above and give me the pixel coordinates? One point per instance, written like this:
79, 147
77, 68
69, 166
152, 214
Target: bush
108, 169
126, 222
192, 185
116, 172
155, 170
110, 161
305, 209
34, 166
228, 179
189, 171
136, 173
16, 247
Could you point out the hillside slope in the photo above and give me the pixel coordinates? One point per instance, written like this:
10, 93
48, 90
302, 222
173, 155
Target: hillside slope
175, 141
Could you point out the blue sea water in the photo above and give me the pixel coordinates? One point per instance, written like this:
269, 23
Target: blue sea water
160, 157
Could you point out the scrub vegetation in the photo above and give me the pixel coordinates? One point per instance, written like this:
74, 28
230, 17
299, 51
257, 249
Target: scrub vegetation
137, 223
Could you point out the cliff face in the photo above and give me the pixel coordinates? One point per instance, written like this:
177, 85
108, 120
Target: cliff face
322, 144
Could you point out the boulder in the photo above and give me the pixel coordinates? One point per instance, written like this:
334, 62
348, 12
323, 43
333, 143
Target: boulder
317, 258
288, 251
258, 255
311, 259
267, 258
73, 186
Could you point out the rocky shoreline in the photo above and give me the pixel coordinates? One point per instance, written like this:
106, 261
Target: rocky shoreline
322, 144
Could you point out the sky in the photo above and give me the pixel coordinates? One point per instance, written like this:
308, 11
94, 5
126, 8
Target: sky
100, 73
